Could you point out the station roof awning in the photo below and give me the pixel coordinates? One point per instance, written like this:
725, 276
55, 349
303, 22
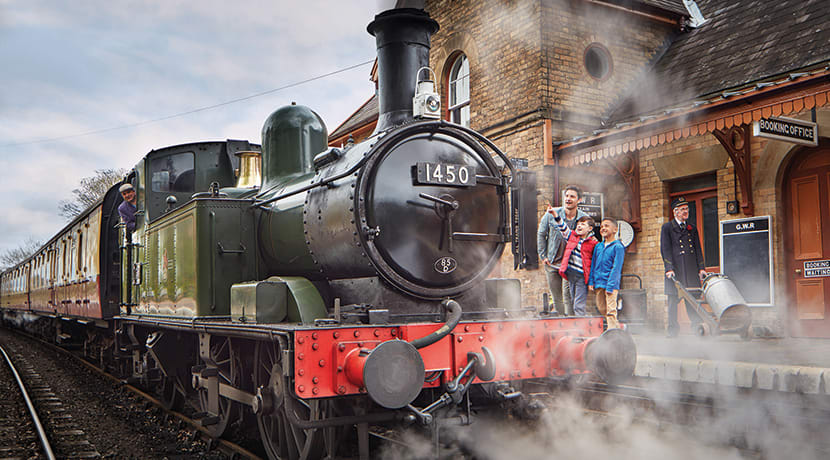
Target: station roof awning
787, 95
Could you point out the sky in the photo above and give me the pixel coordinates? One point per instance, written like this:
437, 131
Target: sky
72, 68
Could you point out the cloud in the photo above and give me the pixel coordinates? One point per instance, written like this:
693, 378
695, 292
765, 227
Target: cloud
72, 68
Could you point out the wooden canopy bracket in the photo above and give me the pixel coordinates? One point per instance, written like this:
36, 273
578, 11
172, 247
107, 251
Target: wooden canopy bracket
628, 166
736, 142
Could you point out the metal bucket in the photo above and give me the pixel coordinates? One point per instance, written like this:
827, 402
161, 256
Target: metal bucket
726, 303
633, 309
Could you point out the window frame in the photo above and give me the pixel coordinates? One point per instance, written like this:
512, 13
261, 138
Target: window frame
604, 54
455, 108
157, 167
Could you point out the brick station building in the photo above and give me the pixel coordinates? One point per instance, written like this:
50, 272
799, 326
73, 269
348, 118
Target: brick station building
642, 101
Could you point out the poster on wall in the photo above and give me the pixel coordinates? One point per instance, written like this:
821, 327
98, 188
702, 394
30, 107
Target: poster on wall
593, 204
746, 258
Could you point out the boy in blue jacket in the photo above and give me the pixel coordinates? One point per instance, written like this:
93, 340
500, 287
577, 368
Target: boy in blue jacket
606, 271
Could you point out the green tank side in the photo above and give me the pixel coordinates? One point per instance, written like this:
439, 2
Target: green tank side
194, 255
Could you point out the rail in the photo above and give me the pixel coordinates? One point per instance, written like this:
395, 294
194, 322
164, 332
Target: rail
41, 433
223, 446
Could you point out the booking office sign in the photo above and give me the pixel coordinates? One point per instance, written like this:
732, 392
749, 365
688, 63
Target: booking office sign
787, 129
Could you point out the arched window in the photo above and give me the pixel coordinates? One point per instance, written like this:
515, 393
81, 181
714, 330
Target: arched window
459, 91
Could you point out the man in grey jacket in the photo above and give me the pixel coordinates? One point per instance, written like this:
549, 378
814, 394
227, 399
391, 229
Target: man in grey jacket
551, 245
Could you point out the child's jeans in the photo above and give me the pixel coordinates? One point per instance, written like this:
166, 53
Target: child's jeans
579, 291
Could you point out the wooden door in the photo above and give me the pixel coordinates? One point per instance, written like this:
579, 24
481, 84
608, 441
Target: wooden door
807, 231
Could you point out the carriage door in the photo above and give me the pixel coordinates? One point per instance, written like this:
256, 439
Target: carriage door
807, 198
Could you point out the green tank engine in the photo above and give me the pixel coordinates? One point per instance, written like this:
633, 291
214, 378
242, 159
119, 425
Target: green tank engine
416, 213
317, 288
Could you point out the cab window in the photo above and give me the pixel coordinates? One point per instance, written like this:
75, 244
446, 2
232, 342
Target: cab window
173, 173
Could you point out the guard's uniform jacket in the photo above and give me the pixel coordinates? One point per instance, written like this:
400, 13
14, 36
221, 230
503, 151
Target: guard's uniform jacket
680, 248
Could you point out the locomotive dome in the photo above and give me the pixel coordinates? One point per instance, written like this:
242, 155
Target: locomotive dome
291, 136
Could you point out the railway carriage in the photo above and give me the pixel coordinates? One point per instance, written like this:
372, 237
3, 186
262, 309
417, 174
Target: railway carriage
317, 288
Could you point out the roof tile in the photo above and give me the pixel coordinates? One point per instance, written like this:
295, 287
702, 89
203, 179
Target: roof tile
743, 42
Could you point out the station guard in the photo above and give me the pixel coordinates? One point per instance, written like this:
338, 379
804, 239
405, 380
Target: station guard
682, 258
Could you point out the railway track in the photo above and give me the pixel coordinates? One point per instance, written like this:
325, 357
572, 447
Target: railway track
749, 424
18, 433
57, 435
68, 437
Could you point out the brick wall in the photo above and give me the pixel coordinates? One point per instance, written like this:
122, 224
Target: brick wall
569, 26
502, 41
526, 64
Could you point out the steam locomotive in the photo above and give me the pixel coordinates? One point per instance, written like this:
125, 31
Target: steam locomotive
321, 289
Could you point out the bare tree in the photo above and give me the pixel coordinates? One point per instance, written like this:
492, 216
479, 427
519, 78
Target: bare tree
89, 191
12, 257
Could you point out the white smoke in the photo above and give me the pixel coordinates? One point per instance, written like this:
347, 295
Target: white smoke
738, 427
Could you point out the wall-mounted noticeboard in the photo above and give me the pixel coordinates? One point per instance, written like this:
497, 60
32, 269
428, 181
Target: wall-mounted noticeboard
746, 258
593, 204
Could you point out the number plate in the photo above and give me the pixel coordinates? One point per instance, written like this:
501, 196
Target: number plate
445, 174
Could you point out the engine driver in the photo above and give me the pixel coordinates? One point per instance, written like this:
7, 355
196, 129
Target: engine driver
127, 209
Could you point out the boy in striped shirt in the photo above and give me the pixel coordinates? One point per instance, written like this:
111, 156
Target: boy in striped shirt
576, 260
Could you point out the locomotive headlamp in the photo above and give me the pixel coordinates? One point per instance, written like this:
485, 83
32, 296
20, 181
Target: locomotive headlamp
426, 103
433, 104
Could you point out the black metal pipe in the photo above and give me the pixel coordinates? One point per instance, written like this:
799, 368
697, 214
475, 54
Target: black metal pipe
230, 330
441, 332
402, 37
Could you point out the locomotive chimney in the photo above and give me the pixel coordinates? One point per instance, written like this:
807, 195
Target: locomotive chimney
402, 37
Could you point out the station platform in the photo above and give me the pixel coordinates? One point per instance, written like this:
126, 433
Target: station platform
793, 365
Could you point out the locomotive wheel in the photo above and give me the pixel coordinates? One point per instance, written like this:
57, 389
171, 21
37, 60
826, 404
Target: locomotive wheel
227, 361
170, 396
280, 439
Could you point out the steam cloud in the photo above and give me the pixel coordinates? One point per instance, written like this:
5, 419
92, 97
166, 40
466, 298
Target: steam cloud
745, 429
739, 423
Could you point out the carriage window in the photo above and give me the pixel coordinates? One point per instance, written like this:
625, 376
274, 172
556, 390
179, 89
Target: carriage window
173, 173
70, 258
53, 265
80, 266
64, 268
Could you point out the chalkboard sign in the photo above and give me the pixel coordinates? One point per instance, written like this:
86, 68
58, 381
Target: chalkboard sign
746, 258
